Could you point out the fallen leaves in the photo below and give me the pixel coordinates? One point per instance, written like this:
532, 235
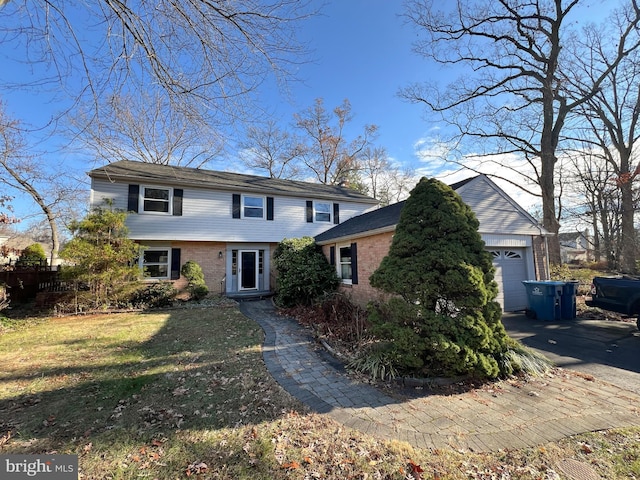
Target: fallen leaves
148, 455
416, 470
585, 447
196, 468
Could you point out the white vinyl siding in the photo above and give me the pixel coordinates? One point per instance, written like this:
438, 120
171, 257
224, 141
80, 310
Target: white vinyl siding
207, 216
494, 210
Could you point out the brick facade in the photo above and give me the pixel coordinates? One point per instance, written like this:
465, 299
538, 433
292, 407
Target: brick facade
371, 251
207, 255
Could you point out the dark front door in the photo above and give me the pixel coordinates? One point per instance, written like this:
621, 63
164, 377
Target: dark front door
248, 270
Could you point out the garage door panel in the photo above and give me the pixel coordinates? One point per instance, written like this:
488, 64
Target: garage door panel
511, 270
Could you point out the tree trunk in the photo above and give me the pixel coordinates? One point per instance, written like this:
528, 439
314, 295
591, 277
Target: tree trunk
628, 234
549, 217
596, 231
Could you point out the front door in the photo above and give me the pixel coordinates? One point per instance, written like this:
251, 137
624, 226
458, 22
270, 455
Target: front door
248, 270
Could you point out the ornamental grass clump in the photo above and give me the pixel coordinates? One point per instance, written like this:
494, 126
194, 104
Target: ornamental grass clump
442, 318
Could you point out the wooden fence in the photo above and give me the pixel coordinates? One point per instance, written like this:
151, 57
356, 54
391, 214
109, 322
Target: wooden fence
23, 283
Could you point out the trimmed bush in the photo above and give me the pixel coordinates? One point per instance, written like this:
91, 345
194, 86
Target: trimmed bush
154, 295
193, 273
304, 275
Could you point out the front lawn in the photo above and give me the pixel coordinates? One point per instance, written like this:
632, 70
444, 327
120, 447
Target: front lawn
185, 393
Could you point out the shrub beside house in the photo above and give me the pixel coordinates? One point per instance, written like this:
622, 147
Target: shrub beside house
516, 242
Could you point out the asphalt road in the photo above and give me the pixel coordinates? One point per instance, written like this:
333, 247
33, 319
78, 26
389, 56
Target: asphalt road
608, 350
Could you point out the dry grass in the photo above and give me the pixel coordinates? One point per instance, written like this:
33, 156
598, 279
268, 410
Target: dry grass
185, 393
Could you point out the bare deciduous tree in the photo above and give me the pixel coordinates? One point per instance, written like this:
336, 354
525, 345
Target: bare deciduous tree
272, 150
611, 117
147, 129
24, 172
593, 181
209, 55
385, 181
512, 98
326, 150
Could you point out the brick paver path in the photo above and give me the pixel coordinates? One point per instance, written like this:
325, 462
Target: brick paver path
507, 414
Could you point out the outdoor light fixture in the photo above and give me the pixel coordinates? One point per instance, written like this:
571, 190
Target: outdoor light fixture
220, 254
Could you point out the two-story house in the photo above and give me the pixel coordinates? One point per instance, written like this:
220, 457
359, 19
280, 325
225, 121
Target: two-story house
228, 223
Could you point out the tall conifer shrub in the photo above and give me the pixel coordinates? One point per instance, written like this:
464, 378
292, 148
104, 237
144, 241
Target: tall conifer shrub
442, 318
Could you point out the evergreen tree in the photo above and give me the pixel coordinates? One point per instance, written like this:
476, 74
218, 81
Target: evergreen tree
442, 318
33, 255
101, 256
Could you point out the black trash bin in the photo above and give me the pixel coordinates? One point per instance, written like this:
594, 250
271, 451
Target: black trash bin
545, 299
568, 303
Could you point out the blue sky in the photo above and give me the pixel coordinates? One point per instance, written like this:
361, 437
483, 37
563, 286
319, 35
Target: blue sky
362, 51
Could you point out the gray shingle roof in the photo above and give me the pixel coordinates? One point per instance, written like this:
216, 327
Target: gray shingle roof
126, 170
382, 218
377, 219
388, 217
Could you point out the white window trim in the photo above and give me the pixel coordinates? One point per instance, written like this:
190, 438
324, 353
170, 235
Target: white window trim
264, 207
158, 187
315, 212
142, 264
345, 281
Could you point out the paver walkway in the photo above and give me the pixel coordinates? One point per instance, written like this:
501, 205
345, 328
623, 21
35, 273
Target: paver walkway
509, 414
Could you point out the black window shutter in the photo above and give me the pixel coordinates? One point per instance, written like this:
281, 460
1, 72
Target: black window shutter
236, 205
354, 263
336, 213
269, 208
332, 255
309, 211
177, 201
134, 195
175, 263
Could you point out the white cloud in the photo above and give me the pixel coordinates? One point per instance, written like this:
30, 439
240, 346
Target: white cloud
438, 160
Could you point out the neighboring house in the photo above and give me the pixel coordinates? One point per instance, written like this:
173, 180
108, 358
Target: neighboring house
228, 223
575, 247
11, 247
516, 241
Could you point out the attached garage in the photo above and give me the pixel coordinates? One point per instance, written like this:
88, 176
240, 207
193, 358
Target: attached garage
511, 270
512, 236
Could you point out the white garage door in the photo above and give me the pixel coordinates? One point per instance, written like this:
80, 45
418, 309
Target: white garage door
511, 270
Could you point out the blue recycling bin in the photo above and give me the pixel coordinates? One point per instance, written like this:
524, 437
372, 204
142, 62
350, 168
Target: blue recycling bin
545, 299
568, 302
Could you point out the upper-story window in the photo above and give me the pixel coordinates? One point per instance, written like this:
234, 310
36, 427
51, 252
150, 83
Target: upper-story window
156, 199
252, 207
322, 212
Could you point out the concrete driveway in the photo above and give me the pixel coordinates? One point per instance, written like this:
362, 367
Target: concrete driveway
608, 350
